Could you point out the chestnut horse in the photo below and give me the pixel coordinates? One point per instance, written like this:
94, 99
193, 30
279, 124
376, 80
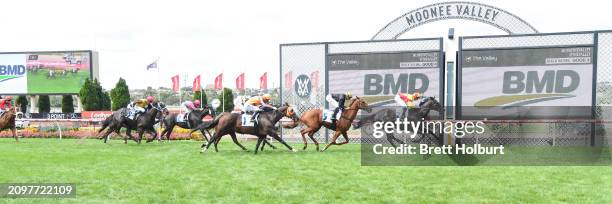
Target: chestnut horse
7, 121
313, 120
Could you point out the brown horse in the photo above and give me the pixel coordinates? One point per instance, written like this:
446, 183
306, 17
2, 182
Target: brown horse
7, 121
230, 124
313, 120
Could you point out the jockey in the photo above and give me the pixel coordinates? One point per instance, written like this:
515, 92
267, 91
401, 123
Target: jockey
5, 103
337, 100
139, 106
256, 104
407, 100
188, 106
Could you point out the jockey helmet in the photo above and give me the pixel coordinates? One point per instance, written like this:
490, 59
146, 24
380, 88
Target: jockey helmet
349, 94
417, 94
150, 99
196, 103
266, 97
9, 98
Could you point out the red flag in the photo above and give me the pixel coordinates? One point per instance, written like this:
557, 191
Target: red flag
288, 80
314, 78
175, 83
219, 82
263, 81
240, 82
196, 84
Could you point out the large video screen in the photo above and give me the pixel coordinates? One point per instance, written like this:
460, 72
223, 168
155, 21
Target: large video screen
44, 72
527, 83
377, 77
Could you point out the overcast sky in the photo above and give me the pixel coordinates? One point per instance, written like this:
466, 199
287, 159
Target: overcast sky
210, 37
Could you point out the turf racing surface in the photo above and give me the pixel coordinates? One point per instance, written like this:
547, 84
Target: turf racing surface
177, 172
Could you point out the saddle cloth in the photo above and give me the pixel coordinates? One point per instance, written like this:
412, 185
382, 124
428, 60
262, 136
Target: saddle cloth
245, 120
327, 114
180, 117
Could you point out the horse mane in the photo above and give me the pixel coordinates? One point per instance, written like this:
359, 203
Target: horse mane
353, 100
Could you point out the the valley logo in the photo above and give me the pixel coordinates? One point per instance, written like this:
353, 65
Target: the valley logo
8, 72
523, 88
303, 86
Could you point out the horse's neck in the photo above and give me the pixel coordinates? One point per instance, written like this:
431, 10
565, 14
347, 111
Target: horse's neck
351, 112
153, 113
424, 110
274, 115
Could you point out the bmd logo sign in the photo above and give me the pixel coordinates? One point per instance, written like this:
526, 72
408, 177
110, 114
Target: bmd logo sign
523, 88
528, 77
8, 72
379, 76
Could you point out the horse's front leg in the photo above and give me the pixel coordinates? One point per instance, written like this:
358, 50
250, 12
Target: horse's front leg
204, 134
153, 133
128, 132
140, 134
14, 131
275, 136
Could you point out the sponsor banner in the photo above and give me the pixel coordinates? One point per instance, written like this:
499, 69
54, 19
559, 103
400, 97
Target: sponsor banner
13, 76
505, 80
52, 115
44, 73
379, 76
96, 114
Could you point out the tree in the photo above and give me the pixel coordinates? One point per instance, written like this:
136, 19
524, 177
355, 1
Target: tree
203, 100
120, 95
93, 97
88, 97
44, 105
22, 101
105, 102
228, 103
67, 104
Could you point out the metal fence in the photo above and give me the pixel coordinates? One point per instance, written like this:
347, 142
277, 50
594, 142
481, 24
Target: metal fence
304, 59
312, 60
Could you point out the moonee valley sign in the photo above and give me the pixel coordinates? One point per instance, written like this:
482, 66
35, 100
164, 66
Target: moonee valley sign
455, 10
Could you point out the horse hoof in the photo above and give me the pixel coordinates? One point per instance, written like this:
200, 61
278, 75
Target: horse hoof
294, 150
203, 150
304, 148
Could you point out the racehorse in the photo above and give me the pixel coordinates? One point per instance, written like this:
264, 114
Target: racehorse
7, 121
193, 121
388, 115
230, 123
143, 122
313, 119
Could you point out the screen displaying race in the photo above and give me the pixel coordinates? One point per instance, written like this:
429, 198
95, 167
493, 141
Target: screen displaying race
44, 72
377, 77
496, 83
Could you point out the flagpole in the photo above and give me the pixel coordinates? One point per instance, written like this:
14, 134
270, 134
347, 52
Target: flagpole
201, 90
158, 79
223, 93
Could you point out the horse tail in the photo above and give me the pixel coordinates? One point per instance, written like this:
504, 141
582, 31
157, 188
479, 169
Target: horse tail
208, 124
105, 123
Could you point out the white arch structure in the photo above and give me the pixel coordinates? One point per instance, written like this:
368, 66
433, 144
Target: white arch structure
483, 13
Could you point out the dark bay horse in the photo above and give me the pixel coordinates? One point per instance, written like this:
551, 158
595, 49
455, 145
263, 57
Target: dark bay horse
389, 115
144, 122
7, 121
194, 120
230, 123
313, 120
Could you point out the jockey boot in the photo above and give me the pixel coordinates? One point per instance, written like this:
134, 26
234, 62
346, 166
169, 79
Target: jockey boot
254, 118
186, 116
333, 123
